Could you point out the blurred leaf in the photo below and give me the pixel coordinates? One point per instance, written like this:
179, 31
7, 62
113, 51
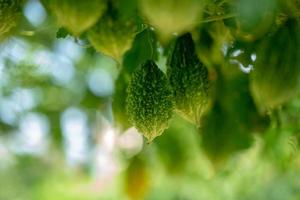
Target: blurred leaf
143, 48
128, 8
227, 128
62, 33
169, 17
137, 179
119, 102
10, 14
76, 16
211, 39
174, 147
252, 21
275, 79
91, 101
5, 128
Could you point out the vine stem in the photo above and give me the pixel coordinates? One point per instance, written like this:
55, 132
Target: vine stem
276, 117
31, 33
218, 18
27, 33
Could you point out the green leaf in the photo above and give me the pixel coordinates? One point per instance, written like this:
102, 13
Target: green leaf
62, 33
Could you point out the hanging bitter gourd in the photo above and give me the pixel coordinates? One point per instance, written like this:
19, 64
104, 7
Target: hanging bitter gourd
149, 100
189, 80
276, 74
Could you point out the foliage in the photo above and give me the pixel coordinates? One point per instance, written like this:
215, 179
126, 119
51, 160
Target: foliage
10, 12
282, 71
83, 81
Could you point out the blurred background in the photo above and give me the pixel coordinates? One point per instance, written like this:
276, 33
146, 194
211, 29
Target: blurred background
58, 139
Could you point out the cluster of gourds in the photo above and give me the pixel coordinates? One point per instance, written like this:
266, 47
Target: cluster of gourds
201, 37
153, 96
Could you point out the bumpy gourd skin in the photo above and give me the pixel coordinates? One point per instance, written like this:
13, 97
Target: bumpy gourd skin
76, 15
189, 80
149, 100
10, 12
276, 74
112, 36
